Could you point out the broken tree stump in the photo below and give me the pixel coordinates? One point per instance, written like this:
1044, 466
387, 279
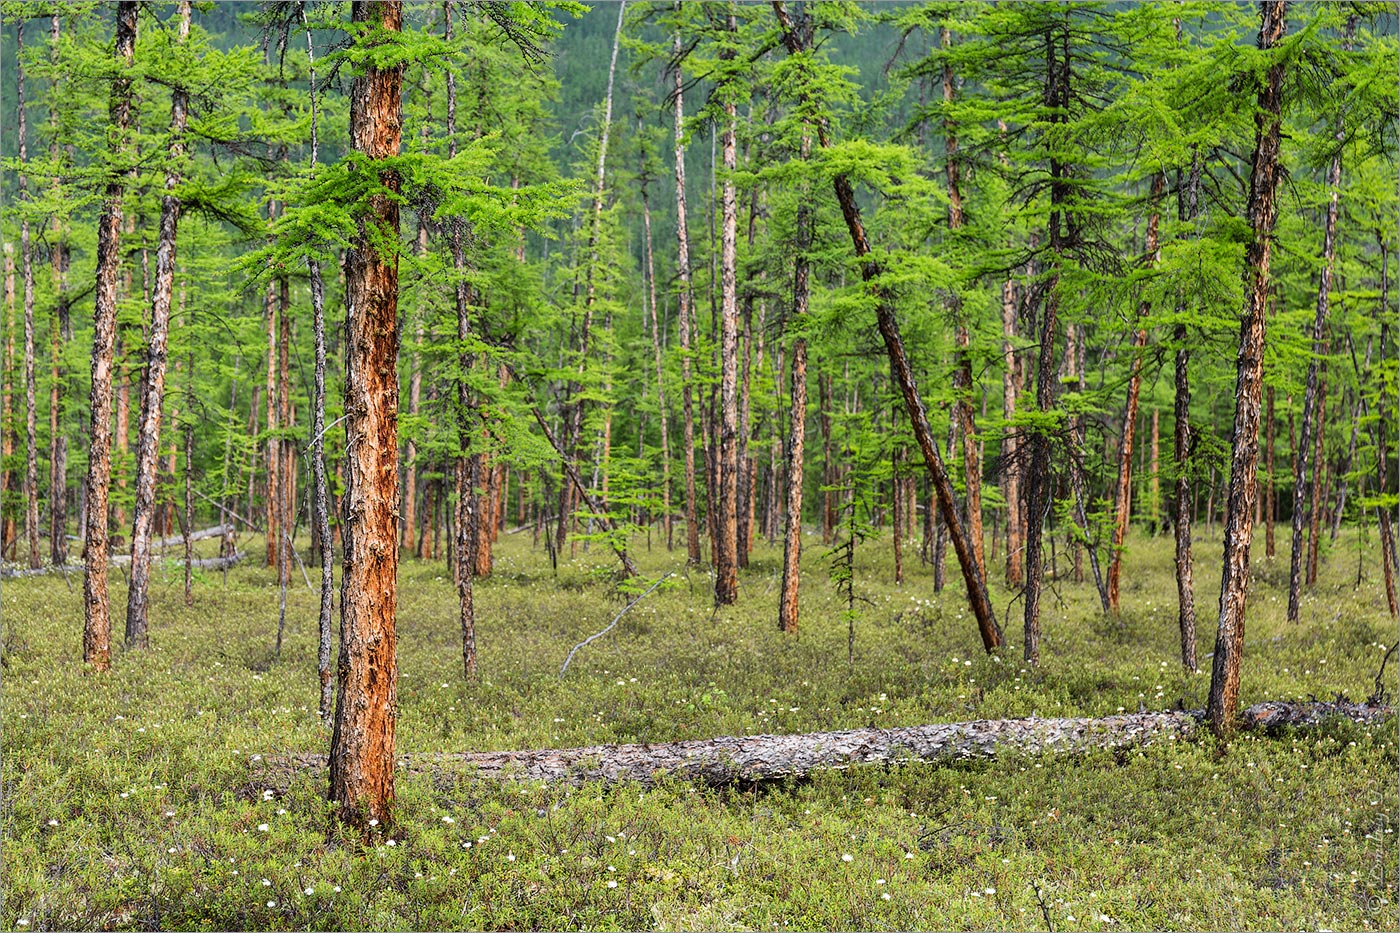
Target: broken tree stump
758, 758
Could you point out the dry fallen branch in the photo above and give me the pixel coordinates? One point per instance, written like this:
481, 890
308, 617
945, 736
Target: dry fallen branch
755, 758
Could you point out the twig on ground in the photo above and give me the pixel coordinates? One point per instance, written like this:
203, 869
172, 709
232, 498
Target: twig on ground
614, 622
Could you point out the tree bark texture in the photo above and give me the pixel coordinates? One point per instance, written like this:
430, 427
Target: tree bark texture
753, 759
362, 744
153, 386
797, 418
97, 611
31, 425
727, 518
1244, 441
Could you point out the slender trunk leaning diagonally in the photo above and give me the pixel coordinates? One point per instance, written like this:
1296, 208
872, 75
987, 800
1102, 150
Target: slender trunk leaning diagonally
362, 743
153, 390
899, 364
97, 610
1223, 702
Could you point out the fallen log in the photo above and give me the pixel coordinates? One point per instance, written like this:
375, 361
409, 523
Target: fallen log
756, 758
121, 560
217, 531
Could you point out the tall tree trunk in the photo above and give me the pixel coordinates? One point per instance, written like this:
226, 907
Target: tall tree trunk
1124, 490
660, 373
1270, 488
575, 423
1188, 199
797, 414
320, 511
415, 397
1010, 457
466, 467
1223, 702
1037, 488
726, 524
273, 447
60, 334
138, 598
686, 303
97, 612
903, 375
1310, 422
1358, 408
31, 424
962, 376
362, 744
7, 434
824, 402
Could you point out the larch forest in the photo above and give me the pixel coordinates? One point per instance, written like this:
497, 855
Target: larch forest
705, 465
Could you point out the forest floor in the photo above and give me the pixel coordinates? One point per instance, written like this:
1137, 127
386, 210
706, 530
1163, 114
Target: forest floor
129, 800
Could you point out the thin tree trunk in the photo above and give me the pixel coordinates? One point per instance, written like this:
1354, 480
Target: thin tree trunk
1270, 488
97, 613
1010, 445
320, 511
1244, 442
415, 396
1318, 498
726, 523
686, 305
7, 434
362, 744
60, 334
660, 374
797, 414
31, 424
273, 447
153, 391
1124, 489
1358, 407
1187, 204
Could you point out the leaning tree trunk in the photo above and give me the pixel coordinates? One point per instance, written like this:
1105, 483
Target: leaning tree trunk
320, 511
153, 390
1318, 499
1244, 442
686, 317
31, 425
97, 611
1123, 496
903, 375
362, 744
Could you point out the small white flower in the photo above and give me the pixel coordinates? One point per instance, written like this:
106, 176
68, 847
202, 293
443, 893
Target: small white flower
846, 857
169, 812
879, 880
272, 903
908, 855
262, 827
885, 896
266, 883
510, 857
448, 820
612, 883
391, 843
336, 889
171, 850
53, 822
374, 822
989, 890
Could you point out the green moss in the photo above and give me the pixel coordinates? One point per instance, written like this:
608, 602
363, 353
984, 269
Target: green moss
1288, 833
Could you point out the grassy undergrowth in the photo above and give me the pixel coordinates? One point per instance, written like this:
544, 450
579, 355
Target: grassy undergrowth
127, 800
